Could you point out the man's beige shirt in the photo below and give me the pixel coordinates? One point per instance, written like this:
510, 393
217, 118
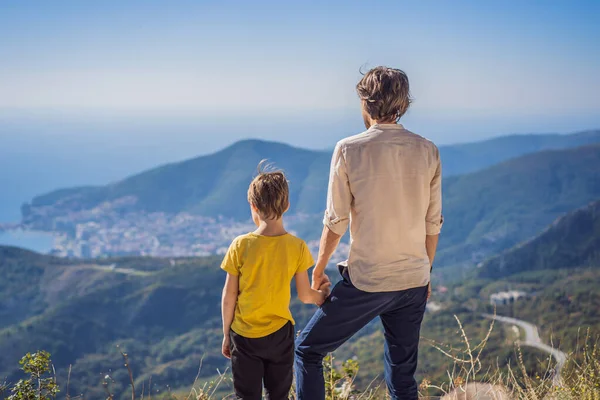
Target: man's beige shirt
386, 184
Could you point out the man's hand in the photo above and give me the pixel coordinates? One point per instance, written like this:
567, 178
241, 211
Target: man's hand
325, 288
429, 290
226, 347
318, 279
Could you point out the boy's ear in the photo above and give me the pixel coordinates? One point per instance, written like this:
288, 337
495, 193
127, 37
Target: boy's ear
253, 207
288, 207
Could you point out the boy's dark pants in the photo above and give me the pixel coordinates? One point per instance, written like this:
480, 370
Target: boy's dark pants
345, 312
269, 358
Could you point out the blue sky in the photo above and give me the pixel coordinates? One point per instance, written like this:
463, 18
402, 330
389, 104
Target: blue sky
92, 91
532, 63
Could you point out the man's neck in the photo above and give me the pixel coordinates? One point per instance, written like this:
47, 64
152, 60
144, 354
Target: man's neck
377, 122
271, 227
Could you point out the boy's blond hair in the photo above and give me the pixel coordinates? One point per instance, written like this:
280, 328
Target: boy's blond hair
269, 192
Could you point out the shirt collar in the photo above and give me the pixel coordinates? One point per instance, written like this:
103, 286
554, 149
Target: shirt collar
387, 126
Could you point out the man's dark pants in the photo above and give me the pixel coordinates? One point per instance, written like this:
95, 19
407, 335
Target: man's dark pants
345, 312
267, 360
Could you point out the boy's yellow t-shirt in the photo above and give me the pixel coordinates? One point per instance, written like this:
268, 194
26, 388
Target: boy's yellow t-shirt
266, 266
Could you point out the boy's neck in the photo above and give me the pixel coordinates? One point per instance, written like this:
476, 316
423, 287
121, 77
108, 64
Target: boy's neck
271, 227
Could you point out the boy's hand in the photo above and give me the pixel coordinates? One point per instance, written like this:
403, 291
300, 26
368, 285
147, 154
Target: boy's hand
226, 347
322, 299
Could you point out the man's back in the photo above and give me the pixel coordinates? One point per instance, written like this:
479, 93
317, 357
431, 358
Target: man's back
390, 180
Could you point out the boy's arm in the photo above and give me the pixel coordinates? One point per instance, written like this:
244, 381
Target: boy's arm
228, 302
308, 295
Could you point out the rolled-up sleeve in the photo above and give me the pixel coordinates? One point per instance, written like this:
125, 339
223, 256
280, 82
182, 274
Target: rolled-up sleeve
434, 219
339, 197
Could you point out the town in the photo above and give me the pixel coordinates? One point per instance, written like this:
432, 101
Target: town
118, 228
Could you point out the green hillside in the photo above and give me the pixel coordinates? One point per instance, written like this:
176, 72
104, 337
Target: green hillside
572, 240
22, 271
494, 209
559, 269
166, 315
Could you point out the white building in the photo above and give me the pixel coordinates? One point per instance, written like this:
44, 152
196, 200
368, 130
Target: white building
504, 298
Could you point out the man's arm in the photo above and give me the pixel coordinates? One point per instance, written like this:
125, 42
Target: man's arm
431, 242
337, 214
434, 219
329, 242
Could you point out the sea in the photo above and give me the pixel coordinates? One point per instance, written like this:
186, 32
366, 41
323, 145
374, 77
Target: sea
40, 242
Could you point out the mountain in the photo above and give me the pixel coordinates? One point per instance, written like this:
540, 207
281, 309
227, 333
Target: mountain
469, 157
559, 269
486, 211
208, 185
573, 240
494, 209
216, 184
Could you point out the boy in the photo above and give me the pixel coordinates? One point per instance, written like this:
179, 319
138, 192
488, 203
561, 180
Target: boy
258, 328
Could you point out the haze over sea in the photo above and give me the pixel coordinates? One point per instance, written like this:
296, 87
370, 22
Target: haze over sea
43, 151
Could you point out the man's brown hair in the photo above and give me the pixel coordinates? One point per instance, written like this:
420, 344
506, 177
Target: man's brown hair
385, 93
269, 192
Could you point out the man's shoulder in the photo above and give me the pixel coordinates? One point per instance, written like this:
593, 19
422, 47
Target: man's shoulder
353, 140
419, 138
364, 137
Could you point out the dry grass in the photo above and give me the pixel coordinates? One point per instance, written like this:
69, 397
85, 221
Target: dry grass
466, 379
579, 380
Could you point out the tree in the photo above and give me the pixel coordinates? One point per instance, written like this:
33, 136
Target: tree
40, 385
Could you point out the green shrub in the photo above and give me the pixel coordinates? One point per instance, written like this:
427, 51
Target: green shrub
39, 385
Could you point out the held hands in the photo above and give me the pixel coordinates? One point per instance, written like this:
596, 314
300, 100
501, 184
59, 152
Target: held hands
318, 279
226, 347
324, 290
322, 284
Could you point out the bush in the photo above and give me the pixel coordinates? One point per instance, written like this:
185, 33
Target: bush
39, 385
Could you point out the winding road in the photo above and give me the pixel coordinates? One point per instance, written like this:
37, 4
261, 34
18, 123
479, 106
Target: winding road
532, 339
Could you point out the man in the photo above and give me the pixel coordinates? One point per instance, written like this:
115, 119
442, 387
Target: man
386, 184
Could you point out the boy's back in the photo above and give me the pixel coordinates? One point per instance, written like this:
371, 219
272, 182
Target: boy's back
266, 266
